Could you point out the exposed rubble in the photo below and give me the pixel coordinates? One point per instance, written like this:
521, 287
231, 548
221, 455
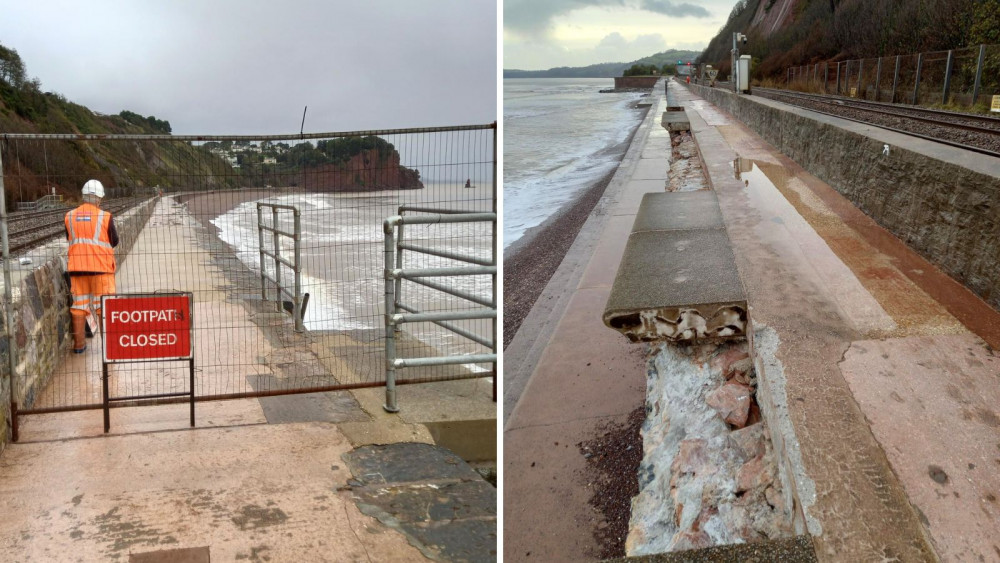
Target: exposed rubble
708, 475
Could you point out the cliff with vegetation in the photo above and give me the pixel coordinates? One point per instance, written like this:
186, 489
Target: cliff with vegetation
33, 168
785, 33
351, 164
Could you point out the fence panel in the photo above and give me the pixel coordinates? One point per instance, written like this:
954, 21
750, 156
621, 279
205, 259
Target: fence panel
201, 236
967, 78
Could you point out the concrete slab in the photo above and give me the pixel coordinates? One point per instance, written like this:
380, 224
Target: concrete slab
679, 211
677, 285
658, 147
675, 121
207, 487
932, 404
630, 198
652, 169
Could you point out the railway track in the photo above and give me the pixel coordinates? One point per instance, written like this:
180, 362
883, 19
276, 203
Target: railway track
978, 133
29, 229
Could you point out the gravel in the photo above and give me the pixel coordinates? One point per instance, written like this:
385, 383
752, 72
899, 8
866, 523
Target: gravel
612, 474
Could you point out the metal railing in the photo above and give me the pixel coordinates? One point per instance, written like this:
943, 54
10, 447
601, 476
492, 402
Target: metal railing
395, 273
277, 260
965, 77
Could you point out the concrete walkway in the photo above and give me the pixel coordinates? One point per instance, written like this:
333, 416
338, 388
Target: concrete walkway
871, 373
881, 473
259, 480
566, 374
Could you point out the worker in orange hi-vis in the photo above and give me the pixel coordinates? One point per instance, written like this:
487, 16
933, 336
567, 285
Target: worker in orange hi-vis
91, 265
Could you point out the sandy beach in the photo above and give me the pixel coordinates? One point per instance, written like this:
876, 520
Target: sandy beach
530, 262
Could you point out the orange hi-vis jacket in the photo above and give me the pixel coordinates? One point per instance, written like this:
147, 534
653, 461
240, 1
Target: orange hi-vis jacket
90, 246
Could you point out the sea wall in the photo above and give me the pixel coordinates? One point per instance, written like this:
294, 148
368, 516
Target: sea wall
946, 212
635, 81
42, 335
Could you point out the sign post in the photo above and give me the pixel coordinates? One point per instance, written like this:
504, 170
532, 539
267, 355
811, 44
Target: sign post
146, 327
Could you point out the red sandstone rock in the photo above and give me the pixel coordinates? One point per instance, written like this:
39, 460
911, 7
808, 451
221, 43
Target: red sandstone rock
691, 457
741, 366
754, 416
749, 441
753, 475
723, 361
690, 539
732, 402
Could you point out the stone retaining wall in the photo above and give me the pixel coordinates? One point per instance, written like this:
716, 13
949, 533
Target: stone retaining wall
41, 317
945, 212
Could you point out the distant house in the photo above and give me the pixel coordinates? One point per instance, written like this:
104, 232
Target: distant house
270, 160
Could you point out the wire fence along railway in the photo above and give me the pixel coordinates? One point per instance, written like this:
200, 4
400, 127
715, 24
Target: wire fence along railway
28, 229
979, 133
204, 236
967, 77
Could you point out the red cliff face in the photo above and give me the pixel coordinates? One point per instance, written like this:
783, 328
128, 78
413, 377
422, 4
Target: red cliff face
363, 172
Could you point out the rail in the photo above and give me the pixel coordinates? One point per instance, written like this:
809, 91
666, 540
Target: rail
295, 294
395, 273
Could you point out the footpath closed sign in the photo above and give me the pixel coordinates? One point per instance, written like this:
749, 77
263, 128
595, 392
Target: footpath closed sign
142, 327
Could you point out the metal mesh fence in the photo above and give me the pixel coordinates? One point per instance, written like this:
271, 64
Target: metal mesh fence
967, 78
186, 212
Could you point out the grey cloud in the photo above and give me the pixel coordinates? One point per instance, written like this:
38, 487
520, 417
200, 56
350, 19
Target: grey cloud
668, 8
532, 17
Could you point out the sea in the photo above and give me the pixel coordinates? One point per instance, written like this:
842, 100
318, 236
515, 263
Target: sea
561, 136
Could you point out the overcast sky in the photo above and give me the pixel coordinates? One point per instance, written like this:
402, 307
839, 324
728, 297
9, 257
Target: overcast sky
541, 34
250, 66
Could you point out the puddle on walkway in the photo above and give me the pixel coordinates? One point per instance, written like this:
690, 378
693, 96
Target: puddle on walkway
802, 206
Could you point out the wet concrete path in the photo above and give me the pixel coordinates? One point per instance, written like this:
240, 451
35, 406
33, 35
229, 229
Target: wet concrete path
830, 283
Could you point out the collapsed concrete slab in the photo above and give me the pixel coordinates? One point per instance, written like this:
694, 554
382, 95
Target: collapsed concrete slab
675, 120
678, 279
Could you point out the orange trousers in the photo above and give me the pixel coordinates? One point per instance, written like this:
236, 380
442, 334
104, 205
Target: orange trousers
87, 291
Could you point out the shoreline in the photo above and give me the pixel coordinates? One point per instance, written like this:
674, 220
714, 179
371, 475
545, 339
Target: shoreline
530, 262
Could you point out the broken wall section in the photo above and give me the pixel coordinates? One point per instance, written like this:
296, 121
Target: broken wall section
709, 474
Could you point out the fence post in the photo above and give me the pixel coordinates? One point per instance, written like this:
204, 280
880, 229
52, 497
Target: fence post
496, 128
878, 77
390, 329
947, 77
788, 76
8, 297
916, 81
826, 77
277, 253
895, 79
260, 247
297, 298
979, 74
838, 79
861, 70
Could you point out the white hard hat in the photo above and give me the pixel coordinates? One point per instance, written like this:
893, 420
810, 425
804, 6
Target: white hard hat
94, 187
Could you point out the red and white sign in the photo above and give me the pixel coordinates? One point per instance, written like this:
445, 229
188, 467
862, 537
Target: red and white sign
147, 327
